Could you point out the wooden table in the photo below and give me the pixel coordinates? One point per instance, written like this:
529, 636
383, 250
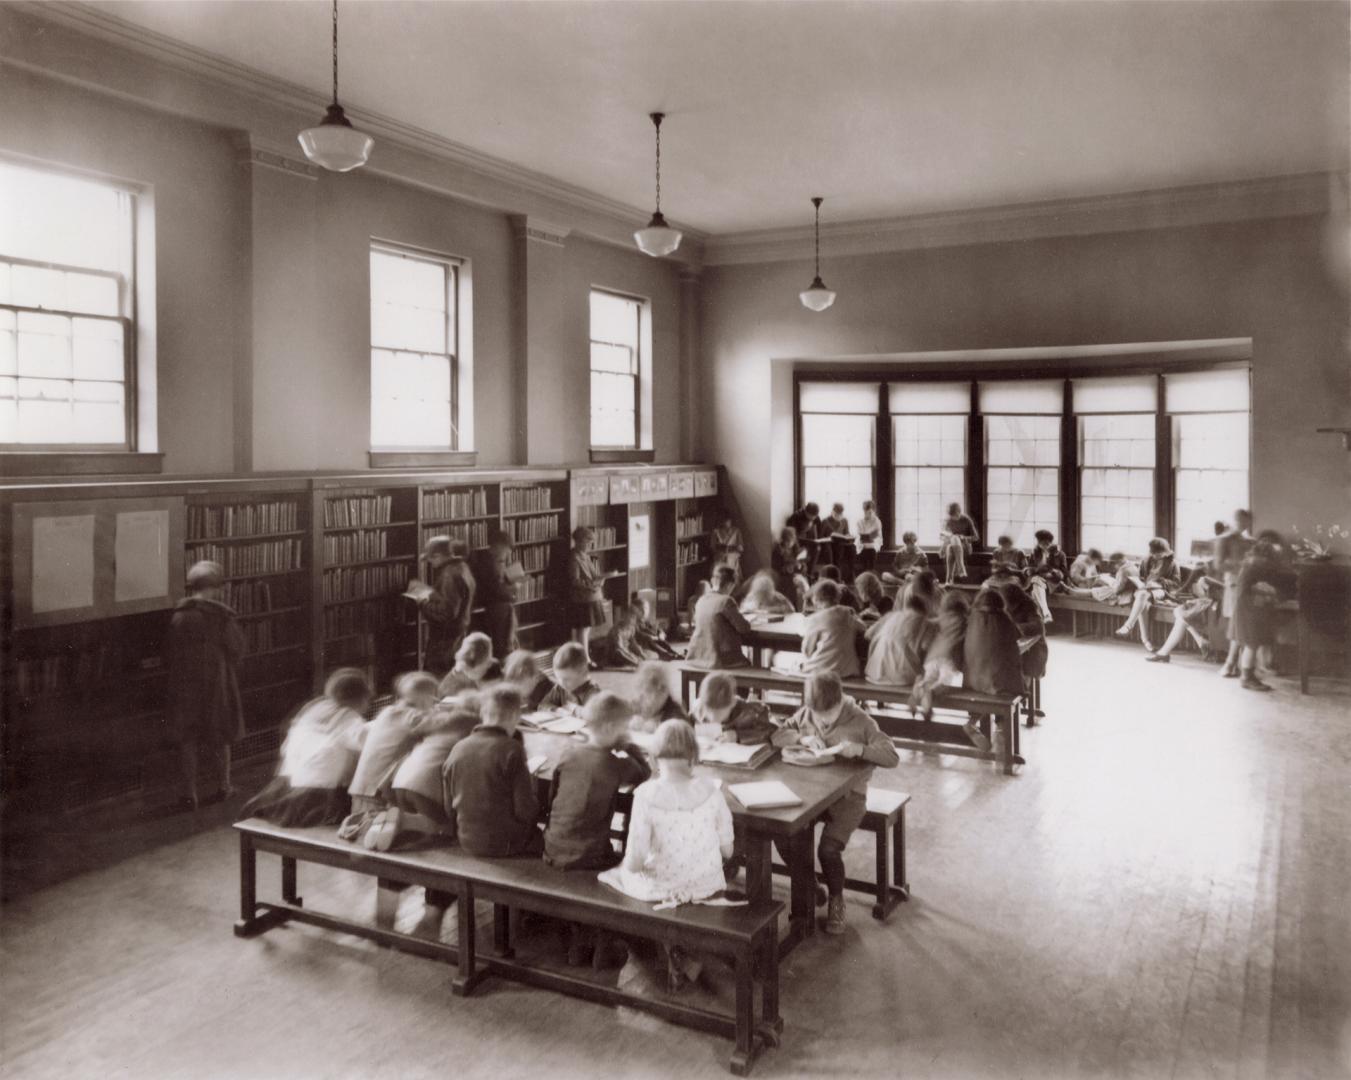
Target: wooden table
783, 635
819, 788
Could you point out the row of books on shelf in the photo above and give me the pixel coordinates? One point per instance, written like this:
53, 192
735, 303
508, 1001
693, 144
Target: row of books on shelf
374, 617
474, 534
348, 512
534, 560
259, 636
606, 535
524, 500
354, 583
531, 587
75, 668
354, 547
690, 553
527, 529
689, 526
450, 504
252, 597
239, 560
245, 519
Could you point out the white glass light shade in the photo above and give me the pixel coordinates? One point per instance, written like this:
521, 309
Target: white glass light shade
658, 238
817, 296
335, 144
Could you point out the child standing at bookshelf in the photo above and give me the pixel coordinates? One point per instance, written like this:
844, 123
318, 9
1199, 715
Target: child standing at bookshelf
829, 718
203, 649
586, 600
318, 757
573, 687
448, 606
497, 592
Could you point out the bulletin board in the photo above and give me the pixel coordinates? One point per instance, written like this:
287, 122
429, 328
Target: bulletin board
640, 542
95, 559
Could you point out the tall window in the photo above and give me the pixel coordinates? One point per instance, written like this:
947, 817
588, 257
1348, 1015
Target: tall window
839, 428
414, 337
928, 446
1116, 455
66, 330
616, 370
1211, 420
1022, 458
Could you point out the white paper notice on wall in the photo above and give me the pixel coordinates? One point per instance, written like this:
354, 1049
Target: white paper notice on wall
63, 563
640, 542
141, 555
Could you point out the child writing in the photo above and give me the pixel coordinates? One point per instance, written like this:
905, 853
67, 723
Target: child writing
829, 719
897, 644
573, 687
680, 834
653, 697
489, 793
318, 757
585, 784
520, 668
763, 599
739, 720
830, 636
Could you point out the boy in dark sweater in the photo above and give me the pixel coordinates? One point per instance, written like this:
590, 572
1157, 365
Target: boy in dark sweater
489, 793
741, 721
573, 687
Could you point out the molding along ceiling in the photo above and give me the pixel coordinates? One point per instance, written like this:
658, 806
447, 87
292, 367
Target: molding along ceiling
739, 142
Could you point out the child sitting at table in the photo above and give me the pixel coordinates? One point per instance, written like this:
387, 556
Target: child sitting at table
944, 658
520, 668
873, 602
473, 659
991, 661
763, 599
680, 834
923, 584
391, 735
897, 644
909, 558
1007, 556
652, 697
830, 634
740, 720
847, 595
827, 719
488, 791
416, 784
585, 786
573, 687
318, 757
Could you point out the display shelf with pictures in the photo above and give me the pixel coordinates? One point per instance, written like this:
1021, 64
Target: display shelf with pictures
368, 539
696, 514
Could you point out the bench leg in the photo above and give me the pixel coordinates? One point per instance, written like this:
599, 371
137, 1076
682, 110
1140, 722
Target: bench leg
883, 878
288, 881
502, 932
771, 1023
250, 922
466, 975
747, 1041
900, 880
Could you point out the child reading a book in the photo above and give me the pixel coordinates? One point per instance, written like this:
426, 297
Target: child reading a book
653, 697
520, 668
830, 719
391, 735
738, 720
572, 687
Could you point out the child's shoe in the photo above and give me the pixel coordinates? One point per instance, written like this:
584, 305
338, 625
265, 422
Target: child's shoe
1158, 658
835, 915
1252, 682
977, 737
1228, 672
380, 836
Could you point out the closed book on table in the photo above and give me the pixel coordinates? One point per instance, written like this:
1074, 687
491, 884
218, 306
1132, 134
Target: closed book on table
764, 795
736, 755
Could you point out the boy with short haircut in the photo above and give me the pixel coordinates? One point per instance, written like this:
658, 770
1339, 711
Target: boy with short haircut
520, 668
718, 626
573, 687
741, 721
489, 793
1006, 556
829, 718
473, 659
831, 633
391, 735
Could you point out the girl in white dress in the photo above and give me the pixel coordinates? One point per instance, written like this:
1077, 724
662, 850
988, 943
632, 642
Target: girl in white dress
680, 834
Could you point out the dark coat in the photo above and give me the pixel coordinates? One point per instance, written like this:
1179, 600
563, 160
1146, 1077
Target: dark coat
203, 647
1022, 609
496, 594
991, 660
1261, 584
447, 611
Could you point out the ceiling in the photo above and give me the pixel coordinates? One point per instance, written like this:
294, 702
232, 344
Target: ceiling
885, 108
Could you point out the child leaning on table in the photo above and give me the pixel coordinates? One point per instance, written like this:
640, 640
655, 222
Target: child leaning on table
573, 687
520, 668
652, 699
741, 721
829, 718
473, 660
391, 735
586, 783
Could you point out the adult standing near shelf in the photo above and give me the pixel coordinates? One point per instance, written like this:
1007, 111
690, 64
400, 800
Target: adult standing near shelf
959, 534
727, 545
450, 603
203, 649
586, 600
497, 592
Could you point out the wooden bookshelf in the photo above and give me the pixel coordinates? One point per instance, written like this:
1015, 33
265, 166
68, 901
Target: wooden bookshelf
534, 516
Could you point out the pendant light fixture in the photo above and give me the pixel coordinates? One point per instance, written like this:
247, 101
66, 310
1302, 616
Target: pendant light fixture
335, 143
816, 296
658, 238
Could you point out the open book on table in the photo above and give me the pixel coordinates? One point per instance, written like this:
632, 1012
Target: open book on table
735, 755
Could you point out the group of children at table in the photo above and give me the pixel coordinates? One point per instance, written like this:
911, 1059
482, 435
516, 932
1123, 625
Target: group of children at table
446, 760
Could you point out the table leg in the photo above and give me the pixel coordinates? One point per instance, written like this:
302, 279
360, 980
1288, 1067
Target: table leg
902, 881
802, 875
759, 869
744, 1054
248, 886
288, 881
502, 932
466, 975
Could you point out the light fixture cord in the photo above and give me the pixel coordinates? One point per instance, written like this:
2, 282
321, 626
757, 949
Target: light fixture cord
817, 204
657, 121
335, 52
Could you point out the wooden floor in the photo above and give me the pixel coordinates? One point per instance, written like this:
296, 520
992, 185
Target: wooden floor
1164, 891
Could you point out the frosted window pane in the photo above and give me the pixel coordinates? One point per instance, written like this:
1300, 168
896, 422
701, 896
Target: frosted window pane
99, 423
9, 421
9, 363
5, 296
1208, 391
837, 440
98, 391
44, 345
951, 397
98, 358
1128, 393
36, 286
45, 422
92, 293
614, 319
841, 397
63, 219
616, 358
1022, 396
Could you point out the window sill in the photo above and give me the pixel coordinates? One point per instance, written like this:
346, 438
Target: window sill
620, 457
422, 459
78, 463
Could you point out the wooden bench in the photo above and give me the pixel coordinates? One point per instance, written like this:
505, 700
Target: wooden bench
1100, 611
748, 936
935, 736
